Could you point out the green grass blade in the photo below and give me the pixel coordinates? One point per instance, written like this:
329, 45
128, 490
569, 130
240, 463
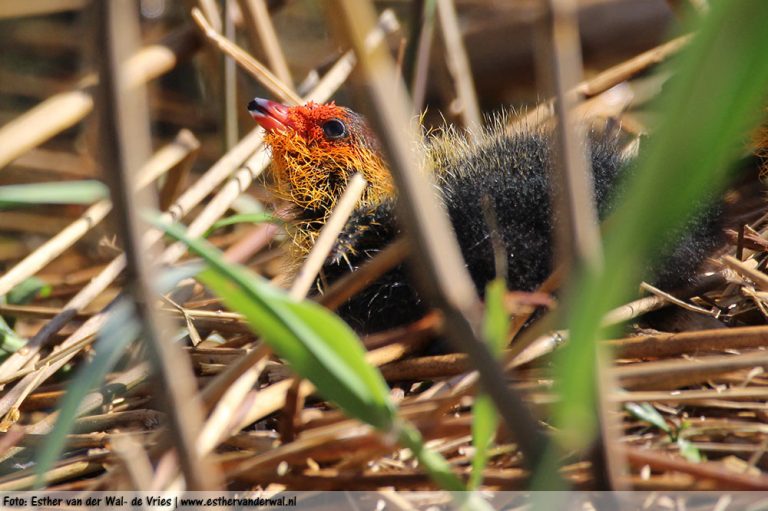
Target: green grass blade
485, 419
67, 192
250, 218
316, 343
646, 412
496, 321
121, 329
28, 290
716, 95
302, 334
319, 347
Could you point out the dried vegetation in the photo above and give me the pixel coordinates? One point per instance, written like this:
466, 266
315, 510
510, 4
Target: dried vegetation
692, 405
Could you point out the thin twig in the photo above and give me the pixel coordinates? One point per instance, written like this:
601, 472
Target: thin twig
671, 299
54, 247
607, 79
246, 61
47, 252
257, 15
458, 63
742, 268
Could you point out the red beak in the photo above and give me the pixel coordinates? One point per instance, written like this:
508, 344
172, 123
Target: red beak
270, 115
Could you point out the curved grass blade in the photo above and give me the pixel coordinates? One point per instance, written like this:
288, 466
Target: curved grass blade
717, 94
321, 348
316, 343
28, 290
122, 327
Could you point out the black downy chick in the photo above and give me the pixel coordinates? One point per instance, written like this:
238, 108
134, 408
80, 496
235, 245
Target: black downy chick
511, 171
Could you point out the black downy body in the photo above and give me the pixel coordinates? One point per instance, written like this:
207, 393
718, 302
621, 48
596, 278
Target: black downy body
510, 171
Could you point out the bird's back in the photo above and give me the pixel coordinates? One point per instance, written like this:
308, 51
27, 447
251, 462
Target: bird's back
511, 174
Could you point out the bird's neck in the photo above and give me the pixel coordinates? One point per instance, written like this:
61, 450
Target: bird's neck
314, 185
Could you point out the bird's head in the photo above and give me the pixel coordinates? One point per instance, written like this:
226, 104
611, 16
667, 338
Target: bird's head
316, 149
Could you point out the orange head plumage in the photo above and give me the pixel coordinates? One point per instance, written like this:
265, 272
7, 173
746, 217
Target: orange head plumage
316, 149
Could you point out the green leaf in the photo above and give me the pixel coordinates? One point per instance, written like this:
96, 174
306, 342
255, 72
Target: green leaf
28, 290
316, 343
485, 419
10, 341
439, 469
121, 329
689, 451
646, 412
717, 94
496, 323
251, 218
321, 348
66, 192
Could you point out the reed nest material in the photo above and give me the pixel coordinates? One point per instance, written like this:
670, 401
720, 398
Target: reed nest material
687, 406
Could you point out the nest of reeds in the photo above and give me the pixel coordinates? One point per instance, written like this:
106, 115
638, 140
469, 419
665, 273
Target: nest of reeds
111, 382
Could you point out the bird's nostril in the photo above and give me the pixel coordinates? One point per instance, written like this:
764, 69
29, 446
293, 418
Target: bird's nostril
252, 105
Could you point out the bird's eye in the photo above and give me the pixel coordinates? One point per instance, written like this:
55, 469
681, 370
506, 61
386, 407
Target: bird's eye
334, 129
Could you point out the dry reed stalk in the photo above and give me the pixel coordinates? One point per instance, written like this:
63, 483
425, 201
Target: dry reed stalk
166, 158
678, 373
725, 479
271, 399
31, 311
458, 64
178, 175
101, 422
54, 247
38, 7
184, 146
692, 396
670, 345
66, 109
443, 276
246, 61
124, 145
605, 80
742, 268
196, 193
263, 34
222, 421
98, 284
420, 50
135, 461
403, 479
221, 202
577, 235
